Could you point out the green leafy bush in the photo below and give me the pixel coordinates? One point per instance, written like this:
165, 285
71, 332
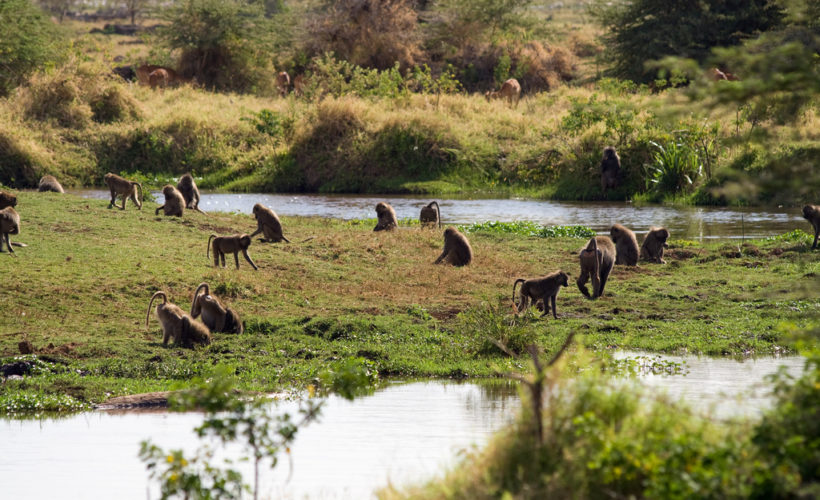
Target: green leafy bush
674, 169
28, 41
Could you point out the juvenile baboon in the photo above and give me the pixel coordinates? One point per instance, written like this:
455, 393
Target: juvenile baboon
430, 215
267, 223
626, 245
597, 260
653, 244
174, 202
610, 169
9, 224
545, 288
510, 90
7, 200
230, 244
50, 183
812, 214
177, 325
120, 186
457, 250
215, 315
387, 217
190, 192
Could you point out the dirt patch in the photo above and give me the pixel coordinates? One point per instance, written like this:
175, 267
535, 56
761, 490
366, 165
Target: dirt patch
64, 349
679, 254
445, 314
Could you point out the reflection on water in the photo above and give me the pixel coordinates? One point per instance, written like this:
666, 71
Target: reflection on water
404, 433
722, 387
698, 223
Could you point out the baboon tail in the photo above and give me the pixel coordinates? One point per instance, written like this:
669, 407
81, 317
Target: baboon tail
139, 188
438, 214
17, 244
285, 239
196, 294
308, 239
519, 280
156, 294
208, 250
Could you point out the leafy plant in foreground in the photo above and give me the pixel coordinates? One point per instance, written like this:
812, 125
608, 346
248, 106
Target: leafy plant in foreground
252, 422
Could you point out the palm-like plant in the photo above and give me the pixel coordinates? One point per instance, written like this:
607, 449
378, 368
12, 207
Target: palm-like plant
674, 169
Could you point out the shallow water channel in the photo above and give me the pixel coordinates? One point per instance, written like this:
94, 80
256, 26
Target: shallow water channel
404, 433
695, 223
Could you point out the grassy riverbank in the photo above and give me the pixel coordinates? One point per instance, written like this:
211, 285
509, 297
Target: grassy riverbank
79, 294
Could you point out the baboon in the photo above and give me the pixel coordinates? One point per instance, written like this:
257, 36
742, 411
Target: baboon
50, 183
510, 90
120, 186
190, 192
230, 244
177, 325
430, 216
626, 245
267, 223
457, 250
7, 200
216, 316
597, 259
387, 217
282, 83
9, 224
812, 214
610, 169
545, 288
174, 202
653, 244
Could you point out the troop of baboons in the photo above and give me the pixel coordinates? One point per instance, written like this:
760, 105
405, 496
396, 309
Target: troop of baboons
597, 258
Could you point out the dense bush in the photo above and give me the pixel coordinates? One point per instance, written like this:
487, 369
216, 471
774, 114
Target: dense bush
648, 30
223, 44
370, 33
28, 41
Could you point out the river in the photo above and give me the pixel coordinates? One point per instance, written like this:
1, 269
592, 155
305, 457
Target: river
683, 222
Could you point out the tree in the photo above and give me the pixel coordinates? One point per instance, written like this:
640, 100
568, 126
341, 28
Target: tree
648, 30
224, 44
58, 7
135, 8
28, 41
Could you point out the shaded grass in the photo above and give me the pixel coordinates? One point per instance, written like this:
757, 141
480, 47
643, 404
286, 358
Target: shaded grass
79, 294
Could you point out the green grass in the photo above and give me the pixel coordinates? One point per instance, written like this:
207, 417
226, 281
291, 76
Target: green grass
80, 290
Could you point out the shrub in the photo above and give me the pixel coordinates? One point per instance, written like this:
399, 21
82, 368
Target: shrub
224, 44
370, 33
28, 41
648, 30
675, 168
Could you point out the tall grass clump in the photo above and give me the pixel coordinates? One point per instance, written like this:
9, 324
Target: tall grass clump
674, 169
74, 95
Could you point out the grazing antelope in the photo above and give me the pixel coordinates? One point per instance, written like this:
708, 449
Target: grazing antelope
510, 90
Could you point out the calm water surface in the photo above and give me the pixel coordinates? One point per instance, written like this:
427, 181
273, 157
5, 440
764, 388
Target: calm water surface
697, 223
405, 433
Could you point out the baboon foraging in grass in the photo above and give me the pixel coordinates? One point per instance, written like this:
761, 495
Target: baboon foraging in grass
626, 245
430, 215
610, 169
230, 244
387, 217
190, 192
812, 214
7, 200
177, 325
597, 260
9, 224
120, 186
545, 288
457, 250
50, 183
215, 315
268, 223
174, 202
653, 244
